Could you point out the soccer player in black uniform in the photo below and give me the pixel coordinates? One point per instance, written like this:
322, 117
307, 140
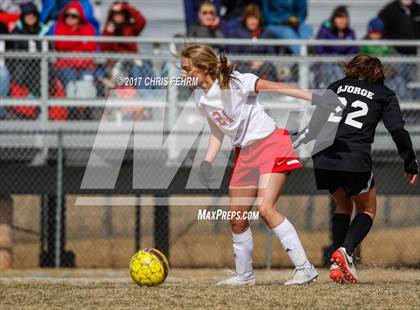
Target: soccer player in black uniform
345, 167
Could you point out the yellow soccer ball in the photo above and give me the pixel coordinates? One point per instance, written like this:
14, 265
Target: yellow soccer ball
149, 267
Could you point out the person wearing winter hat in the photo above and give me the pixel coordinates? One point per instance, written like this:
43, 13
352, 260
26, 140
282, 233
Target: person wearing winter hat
29, 24
375, 31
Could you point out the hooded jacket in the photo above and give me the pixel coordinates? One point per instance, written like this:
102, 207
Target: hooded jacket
51, 10
83, 29
21, 28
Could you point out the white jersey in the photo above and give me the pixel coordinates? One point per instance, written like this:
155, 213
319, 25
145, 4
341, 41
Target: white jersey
236, 111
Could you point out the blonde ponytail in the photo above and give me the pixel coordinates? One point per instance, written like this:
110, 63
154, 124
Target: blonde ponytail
224, 71
204, 58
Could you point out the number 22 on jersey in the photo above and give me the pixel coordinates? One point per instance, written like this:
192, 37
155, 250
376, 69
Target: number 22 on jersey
362, 110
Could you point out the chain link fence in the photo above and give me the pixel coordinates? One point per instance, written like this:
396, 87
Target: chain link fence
52, 111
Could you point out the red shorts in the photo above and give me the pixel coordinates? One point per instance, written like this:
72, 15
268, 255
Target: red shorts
272, 154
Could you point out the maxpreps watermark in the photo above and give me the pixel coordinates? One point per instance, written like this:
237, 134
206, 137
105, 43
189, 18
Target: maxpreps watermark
224, 215
152, 81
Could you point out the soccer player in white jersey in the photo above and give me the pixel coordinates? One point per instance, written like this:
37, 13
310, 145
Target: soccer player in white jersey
264, 154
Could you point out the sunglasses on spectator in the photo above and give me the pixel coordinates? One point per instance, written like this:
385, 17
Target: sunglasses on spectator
71, 15
116, 11
208, 13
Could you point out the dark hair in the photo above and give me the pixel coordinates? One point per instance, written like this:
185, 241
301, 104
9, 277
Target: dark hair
207, 2
339, 11
365, 67
111, 13
252, 10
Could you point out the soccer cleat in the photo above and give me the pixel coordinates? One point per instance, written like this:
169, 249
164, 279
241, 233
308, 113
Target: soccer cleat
247, 278
303, 275
336, 275
345, 262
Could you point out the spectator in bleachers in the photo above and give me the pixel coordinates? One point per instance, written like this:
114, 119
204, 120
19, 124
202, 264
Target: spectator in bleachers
9, 13
395, 80
191, 9
72, 22
208, 25
251, 27
285, 20
336, 28
123, 20
402, 22
375, 31
26, 72
51, 10
232, 16
4, 72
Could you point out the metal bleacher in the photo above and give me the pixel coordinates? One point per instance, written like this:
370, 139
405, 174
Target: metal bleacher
166, 17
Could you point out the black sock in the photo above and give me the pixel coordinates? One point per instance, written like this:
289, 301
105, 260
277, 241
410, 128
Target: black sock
357, 231
340, 225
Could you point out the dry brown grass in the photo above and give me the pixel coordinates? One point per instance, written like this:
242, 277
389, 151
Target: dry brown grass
397, 246
187, 289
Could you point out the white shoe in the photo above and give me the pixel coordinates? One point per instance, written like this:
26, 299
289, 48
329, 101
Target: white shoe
303, 275
247, 278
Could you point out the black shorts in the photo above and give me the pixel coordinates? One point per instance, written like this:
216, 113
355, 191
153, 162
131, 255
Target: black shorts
354, 183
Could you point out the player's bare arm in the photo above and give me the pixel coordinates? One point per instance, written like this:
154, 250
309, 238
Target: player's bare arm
328, 100
283, 88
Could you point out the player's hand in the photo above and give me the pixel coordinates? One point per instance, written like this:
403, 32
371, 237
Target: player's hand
328, 100
300, 137
205, 173
411, 171
412, 178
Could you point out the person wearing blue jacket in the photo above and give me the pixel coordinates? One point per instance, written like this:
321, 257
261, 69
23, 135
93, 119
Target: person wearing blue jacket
191, 8
335, 28
251, 27
285, 19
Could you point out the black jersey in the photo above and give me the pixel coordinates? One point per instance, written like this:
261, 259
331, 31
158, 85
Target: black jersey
364, 105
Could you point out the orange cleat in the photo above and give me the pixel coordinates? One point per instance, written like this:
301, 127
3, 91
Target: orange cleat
336, 275
345, 262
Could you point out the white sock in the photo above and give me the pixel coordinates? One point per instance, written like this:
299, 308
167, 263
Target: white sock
291, 243
242, 250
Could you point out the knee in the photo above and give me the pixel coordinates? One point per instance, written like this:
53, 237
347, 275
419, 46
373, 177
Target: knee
344, 209
369, 209
266, 209
238, 225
